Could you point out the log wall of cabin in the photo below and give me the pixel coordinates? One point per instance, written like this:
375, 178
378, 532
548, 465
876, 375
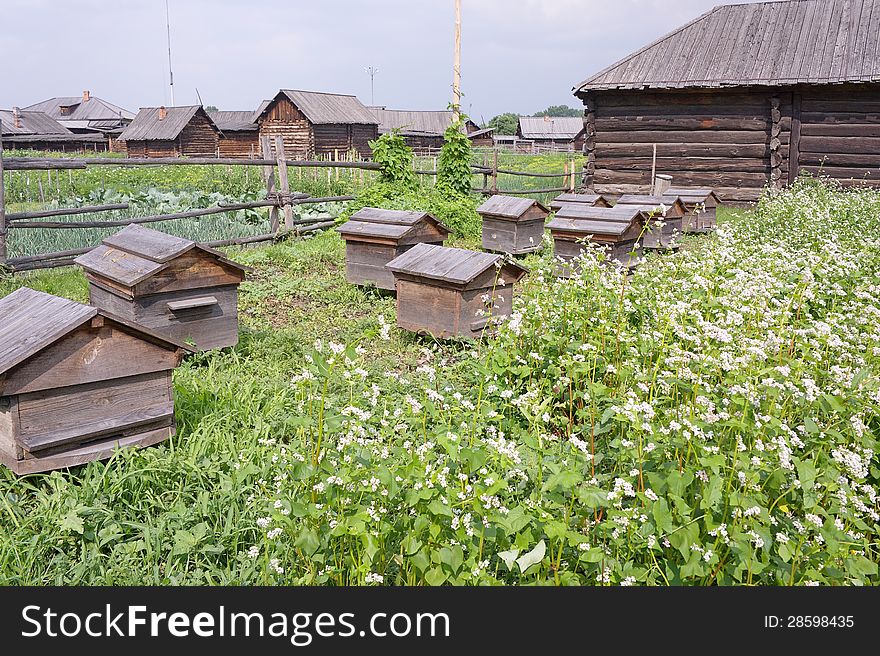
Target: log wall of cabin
153, 148
244, 144
720, 139
361, 136
839, 132
284, 120
198, 138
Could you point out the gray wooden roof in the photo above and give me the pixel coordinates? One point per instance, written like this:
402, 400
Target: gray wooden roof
147, 126
417, 122
453, 265
92, 114
31, 123
625, 213
550, 127
508, 207
234, 121
764, 43
586, 199
589, 226
694, 195
386, 224
136, 253
325, 108
31, 320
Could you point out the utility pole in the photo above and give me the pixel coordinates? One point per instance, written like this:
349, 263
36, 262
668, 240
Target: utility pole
371, 71
456, 65
168, 31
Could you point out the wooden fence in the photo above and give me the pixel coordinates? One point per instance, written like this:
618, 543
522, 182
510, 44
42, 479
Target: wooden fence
279, 198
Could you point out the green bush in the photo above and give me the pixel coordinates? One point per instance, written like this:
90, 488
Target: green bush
454, 166
390, 150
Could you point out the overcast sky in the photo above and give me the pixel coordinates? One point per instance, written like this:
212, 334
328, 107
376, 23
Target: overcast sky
517, 55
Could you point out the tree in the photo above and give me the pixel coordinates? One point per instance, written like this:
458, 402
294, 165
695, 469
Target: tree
506, 123
560, 110
211, 108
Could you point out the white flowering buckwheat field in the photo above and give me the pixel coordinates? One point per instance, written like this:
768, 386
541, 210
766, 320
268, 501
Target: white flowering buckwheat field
710, 419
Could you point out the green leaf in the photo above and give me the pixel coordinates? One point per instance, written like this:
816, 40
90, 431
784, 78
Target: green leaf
410, 544
806, 474
184, 543
533, 557
435, 576
73, 523
452, 556
509, 557
308, 542
662, 515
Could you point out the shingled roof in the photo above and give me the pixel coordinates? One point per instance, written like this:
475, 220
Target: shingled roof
147, 126
93, 113
30, 123
326, 108
550, 127
417, 122
234, 121
454, 265
765, 43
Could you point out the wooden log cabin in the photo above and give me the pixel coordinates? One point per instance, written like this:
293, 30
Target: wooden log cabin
701, 207
669, 211
313, 123
33, 130
173, 286
240, 135
452, 292
171, 132
616, 229
373, 237
512, 225
596, 200
563, 133
742, 97
77, 383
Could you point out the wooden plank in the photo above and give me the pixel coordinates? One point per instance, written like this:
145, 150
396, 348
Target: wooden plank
54, 417
66, 211
683, 149
269, 179
192, 303
150, 244
98, 450
691, 122
745, 164
3, 223
89, 355
840, 130
840, 144
795, 142
847, 160
194, 270
682, 137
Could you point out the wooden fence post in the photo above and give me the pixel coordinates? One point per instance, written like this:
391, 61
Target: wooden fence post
494, 171
3, 228
269, 179
571, 184
284, 182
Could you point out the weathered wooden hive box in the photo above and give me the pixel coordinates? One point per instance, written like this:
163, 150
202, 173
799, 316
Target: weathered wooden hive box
373, 237
665, 209
180, 289
512, 225
596, 200
701, 205
76, 383
615, 228
448, 292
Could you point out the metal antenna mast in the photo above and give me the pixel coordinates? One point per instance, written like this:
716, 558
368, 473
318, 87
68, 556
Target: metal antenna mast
371, 71
168, 30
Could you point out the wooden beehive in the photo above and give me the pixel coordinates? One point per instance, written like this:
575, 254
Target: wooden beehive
666, 209
76, 383
373, 237
180, 289
448, 292
701, 206
617, 229
596, 200
512, 225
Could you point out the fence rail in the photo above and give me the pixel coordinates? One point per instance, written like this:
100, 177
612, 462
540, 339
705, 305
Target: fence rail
279, 198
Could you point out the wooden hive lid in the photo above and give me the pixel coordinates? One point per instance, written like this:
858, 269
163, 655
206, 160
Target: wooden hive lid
386, 224
589, 227
31, 320
625, 213
674, 207
586, 199
453, 265
136, 253
509, 207
694, 195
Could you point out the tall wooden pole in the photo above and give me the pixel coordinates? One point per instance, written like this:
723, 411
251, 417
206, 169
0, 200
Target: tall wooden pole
456, 65
3, 227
